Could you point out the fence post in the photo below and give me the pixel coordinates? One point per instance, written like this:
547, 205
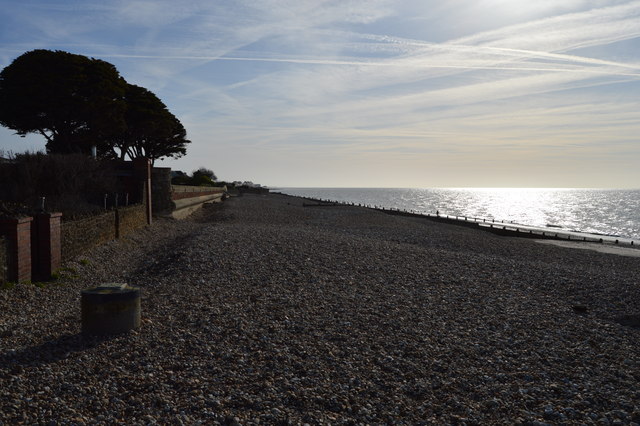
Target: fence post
142, 171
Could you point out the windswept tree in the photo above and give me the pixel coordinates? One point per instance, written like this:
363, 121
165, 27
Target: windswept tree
151, 130
72, 100
77, 102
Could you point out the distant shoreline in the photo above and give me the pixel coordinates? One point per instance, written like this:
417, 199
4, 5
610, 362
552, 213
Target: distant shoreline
545, 234
594, 214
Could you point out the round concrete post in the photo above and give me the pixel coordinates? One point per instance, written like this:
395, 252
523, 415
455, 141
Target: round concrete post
110, 309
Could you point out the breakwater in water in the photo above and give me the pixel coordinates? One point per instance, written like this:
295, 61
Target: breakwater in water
612, 214
499, 227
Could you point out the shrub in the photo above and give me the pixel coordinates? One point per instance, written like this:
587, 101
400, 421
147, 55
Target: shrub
71, 184
201, 180
200, 177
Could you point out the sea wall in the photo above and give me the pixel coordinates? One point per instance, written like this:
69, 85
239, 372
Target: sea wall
187, 199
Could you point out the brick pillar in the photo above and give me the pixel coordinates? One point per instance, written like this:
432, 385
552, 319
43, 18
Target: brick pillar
3, 259
46, 254
18, 235
142, 171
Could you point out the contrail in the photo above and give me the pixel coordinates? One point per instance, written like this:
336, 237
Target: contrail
415, 64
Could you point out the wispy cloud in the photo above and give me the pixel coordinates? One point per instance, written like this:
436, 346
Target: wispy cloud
343, 78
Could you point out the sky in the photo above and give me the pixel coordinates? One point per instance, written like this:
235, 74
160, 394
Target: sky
372, 93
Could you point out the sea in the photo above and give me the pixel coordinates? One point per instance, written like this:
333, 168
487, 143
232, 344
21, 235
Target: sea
613, 212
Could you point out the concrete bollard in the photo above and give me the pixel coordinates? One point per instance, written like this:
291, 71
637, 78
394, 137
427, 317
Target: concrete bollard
110, 309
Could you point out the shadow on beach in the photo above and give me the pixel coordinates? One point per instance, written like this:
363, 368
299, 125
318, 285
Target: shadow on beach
52, 350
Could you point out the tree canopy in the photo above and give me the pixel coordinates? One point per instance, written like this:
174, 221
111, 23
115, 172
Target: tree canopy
203, 171
76, 102
69, 99
200, 177
151, 130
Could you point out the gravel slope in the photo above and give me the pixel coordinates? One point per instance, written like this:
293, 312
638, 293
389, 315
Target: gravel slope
262, 311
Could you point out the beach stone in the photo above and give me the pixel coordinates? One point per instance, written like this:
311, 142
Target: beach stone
260, 303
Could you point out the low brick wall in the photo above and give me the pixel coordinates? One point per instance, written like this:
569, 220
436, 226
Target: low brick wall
4, 262
131, 218
84, 234
81, 235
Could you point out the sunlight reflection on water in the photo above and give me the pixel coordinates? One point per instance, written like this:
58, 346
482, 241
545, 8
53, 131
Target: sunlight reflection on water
611, 212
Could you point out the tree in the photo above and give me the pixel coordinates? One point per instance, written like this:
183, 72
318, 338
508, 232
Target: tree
200, 177
203, 171
72, 100
203, 177
151, 130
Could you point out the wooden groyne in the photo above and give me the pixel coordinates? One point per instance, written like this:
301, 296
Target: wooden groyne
498, 227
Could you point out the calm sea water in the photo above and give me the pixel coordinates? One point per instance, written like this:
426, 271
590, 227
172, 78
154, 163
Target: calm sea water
603, 211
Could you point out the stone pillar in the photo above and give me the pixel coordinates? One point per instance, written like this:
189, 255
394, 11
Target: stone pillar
142, 172
18, 234
46, 255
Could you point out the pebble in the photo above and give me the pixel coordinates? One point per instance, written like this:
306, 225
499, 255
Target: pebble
262, 311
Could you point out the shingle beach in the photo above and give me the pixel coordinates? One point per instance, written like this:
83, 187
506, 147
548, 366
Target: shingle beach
262, 311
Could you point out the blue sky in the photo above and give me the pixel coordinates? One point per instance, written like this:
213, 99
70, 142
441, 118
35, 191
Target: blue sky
424, 93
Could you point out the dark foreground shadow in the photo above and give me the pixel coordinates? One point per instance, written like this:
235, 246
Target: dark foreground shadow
51, 351
632, 321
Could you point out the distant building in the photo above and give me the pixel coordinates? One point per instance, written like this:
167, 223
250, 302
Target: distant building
246, 184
